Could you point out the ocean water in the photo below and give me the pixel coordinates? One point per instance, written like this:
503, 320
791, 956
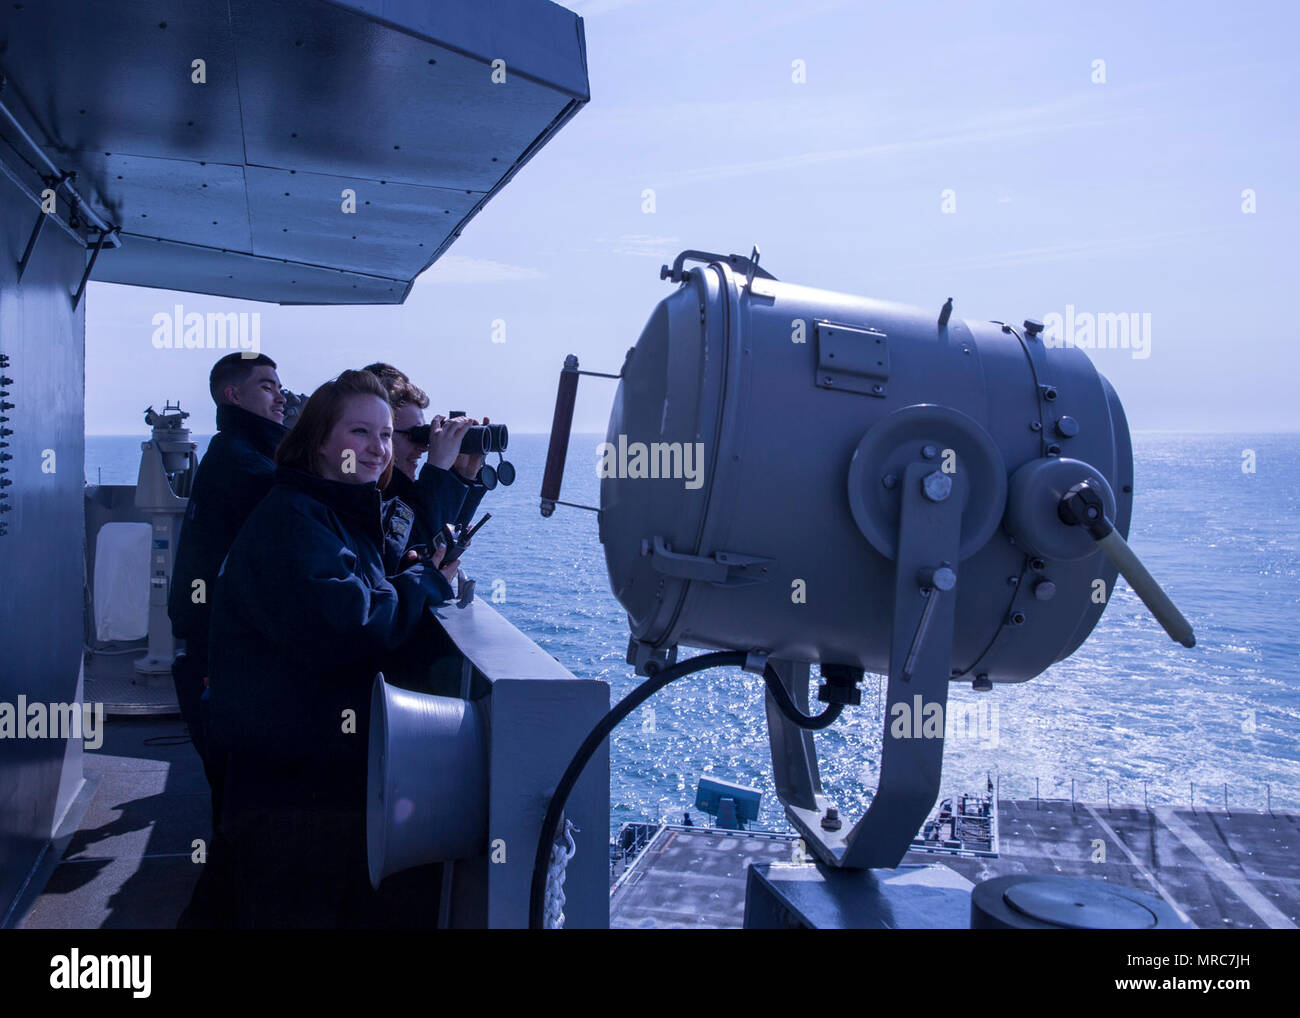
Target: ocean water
1130, 712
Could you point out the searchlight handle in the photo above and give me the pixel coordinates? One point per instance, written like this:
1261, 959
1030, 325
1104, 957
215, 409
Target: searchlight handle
561, 429
1082, 506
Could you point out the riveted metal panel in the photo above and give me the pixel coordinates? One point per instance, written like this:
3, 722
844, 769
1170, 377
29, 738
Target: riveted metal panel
332, 91
393, 232
234, 274
205, 203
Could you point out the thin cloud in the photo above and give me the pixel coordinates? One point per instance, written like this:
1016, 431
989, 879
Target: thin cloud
641, 245
1076, 112
894, 148
458, 269
1065, 252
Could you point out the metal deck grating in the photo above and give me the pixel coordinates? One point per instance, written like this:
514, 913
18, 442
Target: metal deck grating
111, 680
692, 877
1224, 869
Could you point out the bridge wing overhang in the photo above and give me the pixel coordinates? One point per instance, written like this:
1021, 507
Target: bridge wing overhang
237, 184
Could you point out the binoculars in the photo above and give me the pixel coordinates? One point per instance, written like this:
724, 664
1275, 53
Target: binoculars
478, 441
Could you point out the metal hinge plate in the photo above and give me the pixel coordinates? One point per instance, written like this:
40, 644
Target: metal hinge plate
852, 359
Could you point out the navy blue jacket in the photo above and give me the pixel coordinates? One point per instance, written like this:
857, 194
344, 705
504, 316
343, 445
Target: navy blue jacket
236, 472
303, 618
439, 497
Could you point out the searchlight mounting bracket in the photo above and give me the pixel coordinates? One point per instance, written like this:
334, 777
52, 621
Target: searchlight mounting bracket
920, 662
926, 520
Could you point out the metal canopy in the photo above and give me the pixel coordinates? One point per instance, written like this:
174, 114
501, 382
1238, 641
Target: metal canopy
235, 186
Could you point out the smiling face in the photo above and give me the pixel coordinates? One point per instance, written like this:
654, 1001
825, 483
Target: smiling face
360, 444
259, 394
406, 454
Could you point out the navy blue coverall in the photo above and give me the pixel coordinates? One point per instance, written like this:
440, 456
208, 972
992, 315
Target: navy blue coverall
438, 497
235, 473
303, 619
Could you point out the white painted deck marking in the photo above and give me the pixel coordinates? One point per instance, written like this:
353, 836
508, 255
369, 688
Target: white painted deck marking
1225, 871
1146, 873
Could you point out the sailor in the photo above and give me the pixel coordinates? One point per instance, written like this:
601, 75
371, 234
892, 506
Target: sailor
448, 489
304, 618
235, 473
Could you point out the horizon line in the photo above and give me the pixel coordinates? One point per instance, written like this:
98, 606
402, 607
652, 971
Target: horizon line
1132, 431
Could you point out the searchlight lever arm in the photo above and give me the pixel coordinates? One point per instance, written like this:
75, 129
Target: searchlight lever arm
933, 583
561, 428
1082, 506
738, 263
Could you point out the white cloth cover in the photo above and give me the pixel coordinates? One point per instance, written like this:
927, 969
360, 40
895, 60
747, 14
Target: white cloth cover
122, 581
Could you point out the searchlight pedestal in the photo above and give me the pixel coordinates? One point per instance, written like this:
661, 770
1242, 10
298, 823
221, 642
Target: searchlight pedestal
816, 478
167, 467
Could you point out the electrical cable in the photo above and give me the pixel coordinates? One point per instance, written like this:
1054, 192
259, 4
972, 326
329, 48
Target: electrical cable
657, 681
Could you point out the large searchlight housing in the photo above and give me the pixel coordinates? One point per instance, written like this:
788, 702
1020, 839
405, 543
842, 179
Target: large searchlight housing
813, 477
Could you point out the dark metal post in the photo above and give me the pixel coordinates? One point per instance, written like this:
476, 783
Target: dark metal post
31, 245
99, 244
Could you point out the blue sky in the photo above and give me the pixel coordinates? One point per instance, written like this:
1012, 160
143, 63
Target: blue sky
1120, 196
